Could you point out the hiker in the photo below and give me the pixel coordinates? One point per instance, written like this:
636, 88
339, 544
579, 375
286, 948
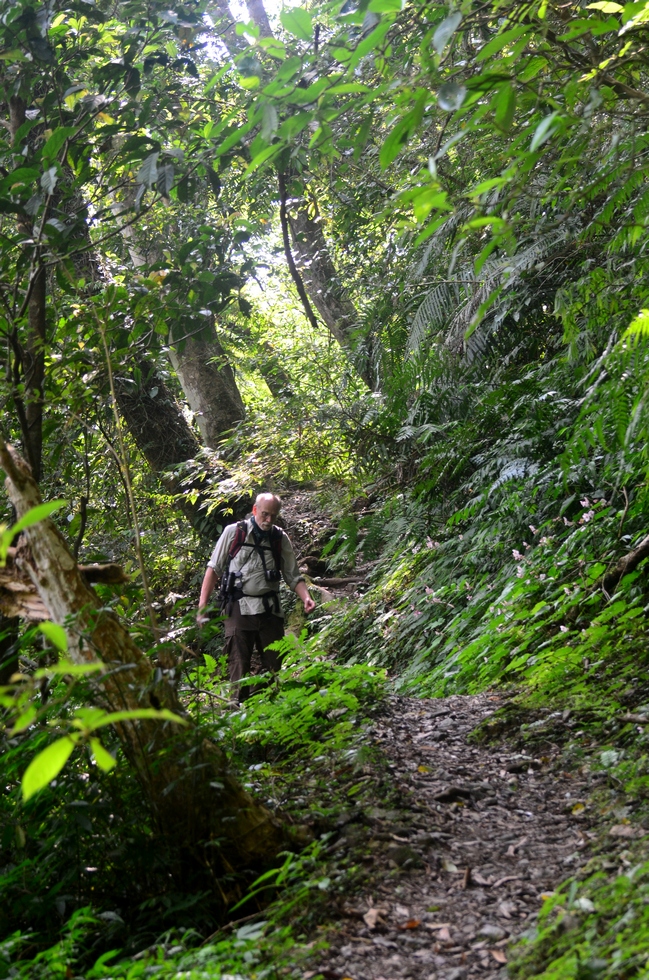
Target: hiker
248, 560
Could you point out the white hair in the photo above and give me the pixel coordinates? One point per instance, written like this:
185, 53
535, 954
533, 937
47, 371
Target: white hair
268, 496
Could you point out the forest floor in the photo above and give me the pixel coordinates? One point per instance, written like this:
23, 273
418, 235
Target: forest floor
459, 867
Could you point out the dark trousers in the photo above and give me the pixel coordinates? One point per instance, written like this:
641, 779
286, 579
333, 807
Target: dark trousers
242, 635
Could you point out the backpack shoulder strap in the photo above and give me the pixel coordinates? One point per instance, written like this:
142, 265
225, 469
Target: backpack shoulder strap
240, 536
276, 538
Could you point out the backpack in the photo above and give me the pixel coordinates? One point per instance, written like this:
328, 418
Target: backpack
229, 592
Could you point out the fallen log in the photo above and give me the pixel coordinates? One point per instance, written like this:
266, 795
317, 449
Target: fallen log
339, 582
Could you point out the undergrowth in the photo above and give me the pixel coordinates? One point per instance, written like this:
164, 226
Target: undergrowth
597, 928
82, 855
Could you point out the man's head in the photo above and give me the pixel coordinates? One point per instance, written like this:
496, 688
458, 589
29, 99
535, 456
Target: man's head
265, 510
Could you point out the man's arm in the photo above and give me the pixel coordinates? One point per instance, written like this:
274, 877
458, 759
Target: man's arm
209, 583
303, 593
214, 570
292, 576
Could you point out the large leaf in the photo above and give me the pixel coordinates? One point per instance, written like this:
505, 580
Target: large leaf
297, 22
89, 719
103, 758
148, 172
505, 107
501, 41
56, 141
37, 514
56, 635
165, 178
49, 180
32, 517
451, 96
544, 130
46, 766
446, 30
270, 121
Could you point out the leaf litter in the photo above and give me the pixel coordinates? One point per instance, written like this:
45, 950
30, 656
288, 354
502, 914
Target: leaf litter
459, 854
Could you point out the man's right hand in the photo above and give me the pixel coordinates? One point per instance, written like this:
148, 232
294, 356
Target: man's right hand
202, 619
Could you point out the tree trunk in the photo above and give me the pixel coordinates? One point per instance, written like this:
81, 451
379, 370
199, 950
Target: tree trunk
202, 368
165, 439
29, 353
258, 15
209, 386
200, 809
156, 422
319, 273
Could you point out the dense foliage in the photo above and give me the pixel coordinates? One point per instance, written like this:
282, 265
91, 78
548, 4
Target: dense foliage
411, 237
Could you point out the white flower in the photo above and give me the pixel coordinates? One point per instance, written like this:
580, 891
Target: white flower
564, 629
517, 555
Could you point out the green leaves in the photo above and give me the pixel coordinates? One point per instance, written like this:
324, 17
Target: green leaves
505, 103
545, 129
47, 765
102, 757
55, 634
37, 514
451, 96
639, 326
49, 180
502, 39
56, 141
298, 22
446, 30
148, 172
400, 133
32, 517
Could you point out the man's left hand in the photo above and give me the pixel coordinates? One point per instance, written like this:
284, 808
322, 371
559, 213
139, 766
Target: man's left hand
309, 605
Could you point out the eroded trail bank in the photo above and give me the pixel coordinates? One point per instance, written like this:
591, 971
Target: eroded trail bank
460, 867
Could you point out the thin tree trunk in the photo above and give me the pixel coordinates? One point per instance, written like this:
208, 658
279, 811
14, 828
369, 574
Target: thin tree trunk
258, 15
201, 810
29, 352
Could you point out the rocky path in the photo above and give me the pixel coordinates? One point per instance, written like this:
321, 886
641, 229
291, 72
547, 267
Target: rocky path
459, 868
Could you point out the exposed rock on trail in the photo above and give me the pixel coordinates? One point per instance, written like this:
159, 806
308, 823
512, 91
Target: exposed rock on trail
460, 867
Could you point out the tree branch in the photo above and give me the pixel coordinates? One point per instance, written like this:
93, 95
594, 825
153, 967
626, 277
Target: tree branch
625, 565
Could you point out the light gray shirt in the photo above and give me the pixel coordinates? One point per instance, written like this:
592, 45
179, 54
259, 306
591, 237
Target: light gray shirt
248, 562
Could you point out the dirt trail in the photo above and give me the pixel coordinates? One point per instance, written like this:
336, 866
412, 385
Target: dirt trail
460, 867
